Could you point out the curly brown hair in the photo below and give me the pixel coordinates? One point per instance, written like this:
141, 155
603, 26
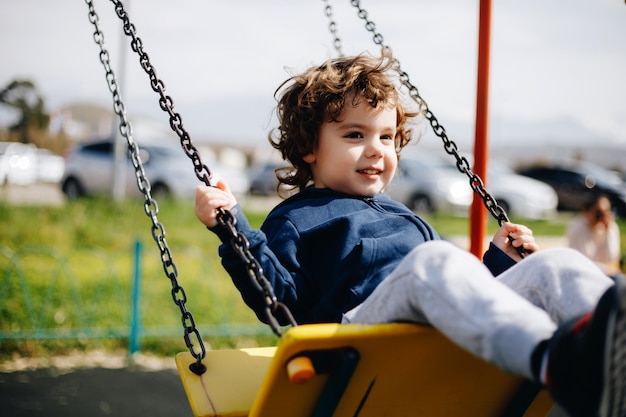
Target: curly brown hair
318, 95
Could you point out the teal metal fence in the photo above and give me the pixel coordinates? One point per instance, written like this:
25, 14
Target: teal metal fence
48, 295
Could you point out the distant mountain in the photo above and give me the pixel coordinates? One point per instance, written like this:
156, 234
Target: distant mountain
563, 130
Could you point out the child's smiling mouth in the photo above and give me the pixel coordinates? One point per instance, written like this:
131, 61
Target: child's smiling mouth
370, 171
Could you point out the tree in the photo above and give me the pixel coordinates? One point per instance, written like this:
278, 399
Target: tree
22, 95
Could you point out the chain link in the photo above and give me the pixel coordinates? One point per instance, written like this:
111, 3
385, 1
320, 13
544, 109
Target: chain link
450, 146
332, 27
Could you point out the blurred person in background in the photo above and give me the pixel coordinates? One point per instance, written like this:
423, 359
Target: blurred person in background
595, 233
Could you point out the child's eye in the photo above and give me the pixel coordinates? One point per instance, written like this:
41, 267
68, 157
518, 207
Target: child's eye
386, 137
354, 135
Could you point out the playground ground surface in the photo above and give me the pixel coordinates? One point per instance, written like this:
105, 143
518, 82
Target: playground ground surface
97, 384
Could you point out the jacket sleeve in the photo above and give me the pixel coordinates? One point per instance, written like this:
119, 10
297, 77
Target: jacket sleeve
278, 277
496, 260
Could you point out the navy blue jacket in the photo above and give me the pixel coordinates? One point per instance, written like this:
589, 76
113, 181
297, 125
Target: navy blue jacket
324, 252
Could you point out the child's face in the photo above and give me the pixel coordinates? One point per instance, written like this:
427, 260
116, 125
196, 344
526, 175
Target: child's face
356, 155
600, 213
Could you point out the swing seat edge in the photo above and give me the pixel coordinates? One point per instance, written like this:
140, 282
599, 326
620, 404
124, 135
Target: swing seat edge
417, 371
230, 384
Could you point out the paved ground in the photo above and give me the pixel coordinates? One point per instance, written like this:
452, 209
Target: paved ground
111, 388
92, 392
96, 392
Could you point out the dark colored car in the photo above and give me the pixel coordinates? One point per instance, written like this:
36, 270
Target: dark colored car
578, 182
263, 179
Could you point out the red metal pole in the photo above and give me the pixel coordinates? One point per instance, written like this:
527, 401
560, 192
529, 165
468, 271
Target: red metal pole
478, 215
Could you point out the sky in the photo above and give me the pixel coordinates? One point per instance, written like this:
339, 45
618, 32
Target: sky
557, 67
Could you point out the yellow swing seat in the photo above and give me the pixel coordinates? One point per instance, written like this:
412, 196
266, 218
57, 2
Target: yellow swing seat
357, 370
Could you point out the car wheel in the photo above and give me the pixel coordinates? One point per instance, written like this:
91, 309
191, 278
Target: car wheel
72, 188
421, 204
160, 191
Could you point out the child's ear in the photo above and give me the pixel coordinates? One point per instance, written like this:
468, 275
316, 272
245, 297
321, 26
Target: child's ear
309, 158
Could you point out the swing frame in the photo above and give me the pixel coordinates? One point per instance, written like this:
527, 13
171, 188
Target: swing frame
339, 357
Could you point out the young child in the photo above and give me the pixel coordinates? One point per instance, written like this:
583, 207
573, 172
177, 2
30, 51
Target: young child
595, 234
341, 251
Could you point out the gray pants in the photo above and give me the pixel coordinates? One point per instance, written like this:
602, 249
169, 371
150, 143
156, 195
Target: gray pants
498, 319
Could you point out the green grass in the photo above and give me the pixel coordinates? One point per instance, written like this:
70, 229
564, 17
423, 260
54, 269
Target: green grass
76, 264
77, 267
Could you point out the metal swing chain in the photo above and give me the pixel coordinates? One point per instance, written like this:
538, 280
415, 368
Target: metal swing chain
332, 27
450, 146
150, 205
225, 219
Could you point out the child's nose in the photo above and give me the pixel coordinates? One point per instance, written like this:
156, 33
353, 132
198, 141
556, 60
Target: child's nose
375, 149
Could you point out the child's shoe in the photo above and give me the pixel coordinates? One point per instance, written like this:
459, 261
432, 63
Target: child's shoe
587, 360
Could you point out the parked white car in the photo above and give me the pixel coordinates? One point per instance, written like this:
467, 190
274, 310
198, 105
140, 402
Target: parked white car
426, 183
89, 171
18, 163
50, 166
521, 196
